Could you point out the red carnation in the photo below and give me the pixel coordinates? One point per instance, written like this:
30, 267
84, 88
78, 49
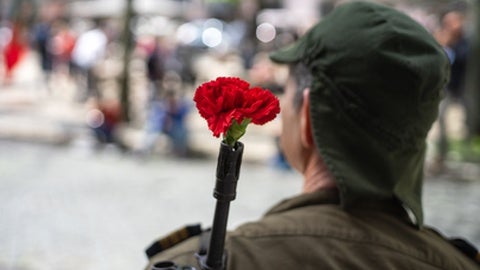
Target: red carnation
229, 105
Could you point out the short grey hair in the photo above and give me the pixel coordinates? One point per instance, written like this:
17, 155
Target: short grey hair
302, 77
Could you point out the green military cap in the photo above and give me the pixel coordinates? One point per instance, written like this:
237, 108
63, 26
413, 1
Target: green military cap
378, 78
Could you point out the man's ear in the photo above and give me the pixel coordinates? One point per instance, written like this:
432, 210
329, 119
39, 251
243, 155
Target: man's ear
305, 122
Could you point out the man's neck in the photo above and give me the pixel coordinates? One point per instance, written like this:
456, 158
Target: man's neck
317, 176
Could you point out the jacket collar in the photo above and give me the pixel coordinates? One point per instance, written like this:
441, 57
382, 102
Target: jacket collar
332, 197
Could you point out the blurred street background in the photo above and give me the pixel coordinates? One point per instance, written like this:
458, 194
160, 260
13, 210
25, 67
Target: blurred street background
102, 149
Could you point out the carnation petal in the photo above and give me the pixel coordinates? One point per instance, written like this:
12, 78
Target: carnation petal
228, 98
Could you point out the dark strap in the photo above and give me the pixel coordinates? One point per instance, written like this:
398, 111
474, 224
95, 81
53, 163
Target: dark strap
173, 239
466, 248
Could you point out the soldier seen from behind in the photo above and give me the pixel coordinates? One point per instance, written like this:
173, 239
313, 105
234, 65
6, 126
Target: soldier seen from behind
364, 88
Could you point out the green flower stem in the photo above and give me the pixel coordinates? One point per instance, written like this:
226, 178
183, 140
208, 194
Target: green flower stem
236, 131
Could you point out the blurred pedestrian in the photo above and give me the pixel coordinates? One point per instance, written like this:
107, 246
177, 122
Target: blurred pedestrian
175, 123
451, 36
103, 117
43, 43
89, 50
156, 67
14, 51
167, 116
63, 43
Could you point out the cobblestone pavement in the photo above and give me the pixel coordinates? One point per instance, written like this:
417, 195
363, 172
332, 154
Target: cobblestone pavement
70, 207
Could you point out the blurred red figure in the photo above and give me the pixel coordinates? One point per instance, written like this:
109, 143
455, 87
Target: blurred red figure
103, 117
63, 44
13, 52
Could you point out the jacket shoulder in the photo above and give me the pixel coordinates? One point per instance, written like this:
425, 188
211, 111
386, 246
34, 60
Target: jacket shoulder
329, 237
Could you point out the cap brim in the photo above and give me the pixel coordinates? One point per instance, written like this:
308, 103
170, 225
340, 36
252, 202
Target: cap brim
290, 54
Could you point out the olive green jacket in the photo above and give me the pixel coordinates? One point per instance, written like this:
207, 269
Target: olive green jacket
311, 231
